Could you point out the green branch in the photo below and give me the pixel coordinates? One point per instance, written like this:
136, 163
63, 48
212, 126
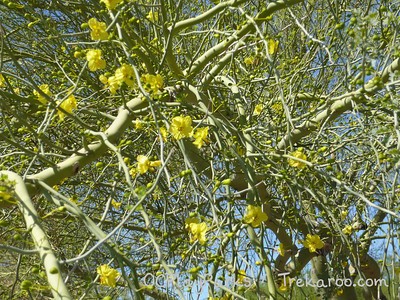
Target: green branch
342, 104
86, 155
203, 60
204, 16
50, 262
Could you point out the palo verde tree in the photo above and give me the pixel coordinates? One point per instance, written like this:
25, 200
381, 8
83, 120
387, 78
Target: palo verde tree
199, 149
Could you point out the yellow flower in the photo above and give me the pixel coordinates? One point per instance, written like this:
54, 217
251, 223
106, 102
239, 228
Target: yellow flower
254, 216
155, 163
116, 204
339, 292
249, 60
152, 83
272, 46
111, 4
295, 163
191, 220
281, 250
94, 59
138, 124
164, 133
133, 172
152, 16
108, 275
344, 214
313, 242
2, 81
144, 164
201, 136
77, 54
103, 79
284, 284
241, 276
277, 108
68, 105
45, 89
181, 127
258, 109
98, 30
198, 232
125, 74
113, 84
348, 229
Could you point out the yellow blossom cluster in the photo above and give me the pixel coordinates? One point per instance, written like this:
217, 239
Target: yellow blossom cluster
98, 30
108, 275
138, 124
347, 230
241, 276
124, 74
111, 4
313, 243
152, 83
152, 16
181, 127
95, 60
144, 164
200, 136
116, 204
277, 108
197, 230
249, 60
295, 163
68, 105
46, 90
254, 216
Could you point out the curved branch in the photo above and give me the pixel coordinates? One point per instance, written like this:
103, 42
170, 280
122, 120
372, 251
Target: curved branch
50, 262
86, 155
203, 60
338, 107
205, 16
